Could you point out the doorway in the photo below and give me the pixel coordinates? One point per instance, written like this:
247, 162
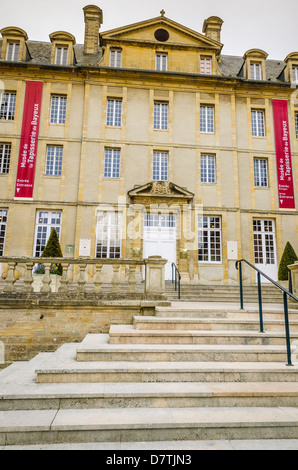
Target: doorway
265, 247
159, 239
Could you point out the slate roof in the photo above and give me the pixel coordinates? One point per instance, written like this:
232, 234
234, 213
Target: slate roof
231, 66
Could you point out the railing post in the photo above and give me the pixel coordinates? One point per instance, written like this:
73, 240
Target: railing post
241, 285
260, 303
179, 285
287, 329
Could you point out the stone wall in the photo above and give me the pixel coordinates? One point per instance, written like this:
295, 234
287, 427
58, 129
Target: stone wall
32, 324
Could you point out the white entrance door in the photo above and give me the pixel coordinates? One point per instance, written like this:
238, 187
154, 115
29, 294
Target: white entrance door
160, 239
265, 247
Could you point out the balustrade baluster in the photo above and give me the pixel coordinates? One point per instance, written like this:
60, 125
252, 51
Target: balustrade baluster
10, 278
132, 278
82, 278
29, 278
64, 278
115, 280
46, 280
98, 278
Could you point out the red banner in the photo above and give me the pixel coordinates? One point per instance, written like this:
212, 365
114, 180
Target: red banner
283, 155
29, 140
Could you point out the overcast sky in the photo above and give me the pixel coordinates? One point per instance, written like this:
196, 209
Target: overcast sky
270, 25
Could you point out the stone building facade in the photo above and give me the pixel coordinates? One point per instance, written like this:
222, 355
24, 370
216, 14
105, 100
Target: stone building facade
148, 140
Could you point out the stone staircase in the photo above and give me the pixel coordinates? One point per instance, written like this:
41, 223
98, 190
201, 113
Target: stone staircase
223, 293
192, 372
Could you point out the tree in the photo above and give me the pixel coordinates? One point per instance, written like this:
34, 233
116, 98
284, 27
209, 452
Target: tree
53, 250
289, 257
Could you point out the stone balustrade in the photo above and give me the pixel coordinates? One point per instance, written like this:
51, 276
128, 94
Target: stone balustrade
82, 275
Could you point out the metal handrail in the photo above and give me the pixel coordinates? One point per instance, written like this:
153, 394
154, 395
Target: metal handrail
285, 294
177, 282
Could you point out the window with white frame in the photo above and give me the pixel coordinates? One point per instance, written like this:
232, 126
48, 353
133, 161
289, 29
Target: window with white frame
54, 160
160, 166
114, 112
255, 71
108, 234
7, 105
45, 222
208, 169
209, 239
206, 65
161, 62
161, 116
295, 73
261, 172
207, 119
58, 109
5, 150
12, 52
258, 123
61, 56
296, 124
112, 163
3, 226
115, 58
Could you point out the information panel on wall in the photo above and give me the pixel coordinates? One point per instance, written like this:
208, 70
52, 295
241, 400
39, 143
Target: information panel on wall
283, 155
29, 140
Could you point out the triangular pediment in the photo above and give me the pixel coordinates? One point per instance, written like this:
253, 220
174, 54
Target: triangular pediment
160, 189
145, 31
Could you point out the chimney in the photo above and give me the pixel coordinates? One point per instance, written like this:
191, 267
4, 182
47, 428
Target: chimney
93, 20
212, 28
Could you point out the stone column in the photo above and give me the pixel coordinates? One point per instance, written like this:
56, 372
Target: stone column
155, 275
294, 272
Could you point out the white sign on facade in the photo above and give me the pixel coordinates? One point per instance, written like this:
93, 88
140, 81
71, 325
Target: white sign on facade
232, 250
85, 247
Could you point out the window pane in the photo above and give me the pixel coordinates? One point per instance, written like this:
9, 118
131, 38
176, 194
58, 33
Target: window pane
58, 109
207, 169
207, 119
209, 239
112, 163
45, 222
5, 150
114, 112
108, 235
7, 106
205, 65
260, 172
54, 160
161, 114
258, 123
160, 166
115, 58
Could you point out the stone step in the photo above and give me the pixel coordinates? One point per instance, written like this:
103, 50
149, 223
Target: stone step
97, 348
166, 372
157, 395
127, 334
146, 424
186, 311
19, 390
152, 323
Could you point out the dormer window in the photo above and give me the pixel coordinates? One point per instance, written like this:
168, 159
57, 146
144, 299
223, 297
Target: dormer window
61, 55
12, 52
14, 44
291, 70
62, 48
254, 65
255, 71
115, 58
206, 65
295, 73
161, 62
